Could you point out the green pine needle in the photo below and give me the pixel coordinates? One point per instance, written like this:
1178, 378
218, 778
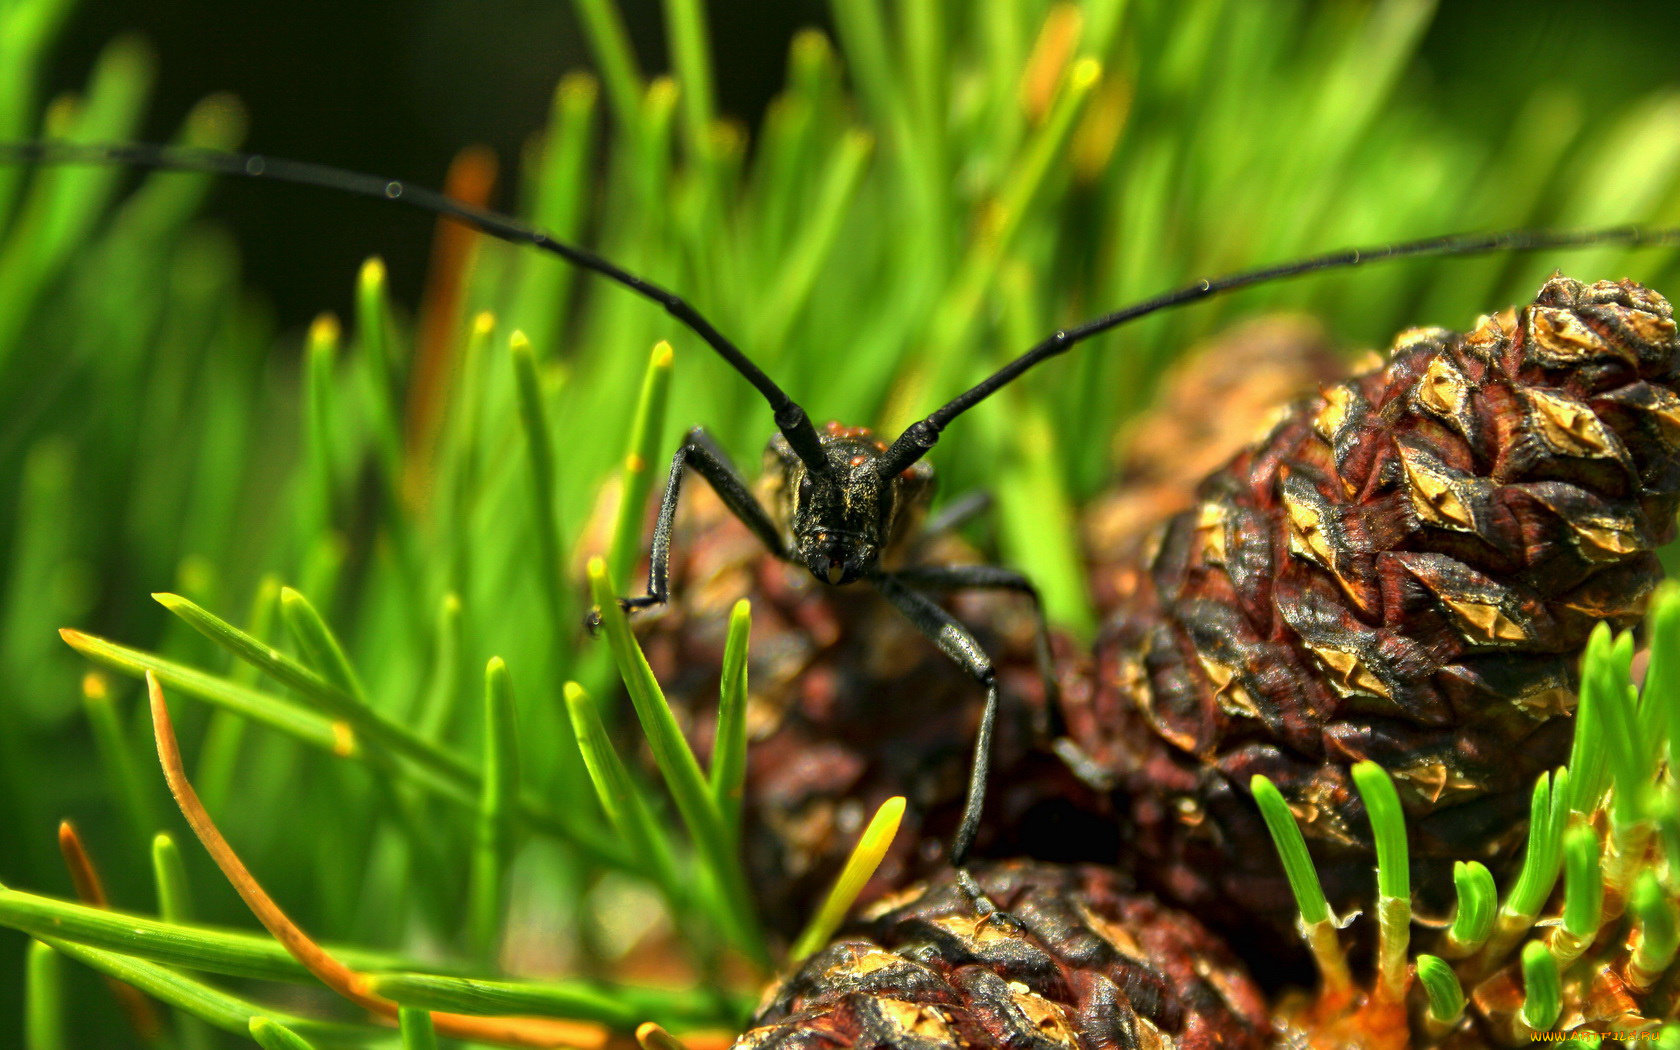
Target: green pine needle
729, 746
174, 904
490, 998
620, 796
493, 851
1388, 827
1440, 984
173, 944
1659, 700
416, 1027
1587, 755
1542, 988
321, 419
1292, 850
544, 474
1318, 925
1394, 887
43, 1000
289, 718
272, 1036
364, 723
321, 648
646, 452
203, 1001
378, 369
1478, 901
1665, 814
1583, 883
677, 764
138, 796
174, 893
619, 1006
610, 43
1630, 773
1543, 856
1656, 931
558, 184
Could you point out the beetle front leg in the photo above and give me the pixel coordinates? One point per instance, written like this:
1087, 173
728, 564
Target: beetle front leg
701, 453
948, 578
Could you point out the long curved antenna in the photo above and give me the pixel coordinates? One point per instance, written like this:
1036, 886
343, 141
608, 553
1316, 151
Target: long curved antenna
790, 418
921, 436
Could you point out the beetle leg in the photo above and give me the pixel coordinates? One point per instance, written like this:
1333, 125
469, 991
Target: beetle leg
701, 453
955, 641
992, 577
946, 578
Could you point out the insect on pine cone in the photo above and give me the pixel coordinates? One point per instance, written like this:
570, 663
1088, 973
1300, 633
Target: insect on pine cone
1405, 570
825, 749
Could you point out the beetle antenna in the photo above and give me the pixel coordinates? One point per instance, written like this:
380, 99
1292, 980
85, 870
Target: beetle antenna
921, 436
790, 418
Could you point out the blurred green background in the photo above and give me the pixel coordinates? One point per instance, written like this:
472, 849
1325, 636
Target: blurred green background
937, 190
398, 86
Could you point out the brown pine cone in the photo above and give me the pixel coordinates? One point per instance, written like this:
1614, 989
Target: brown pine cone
1075, 959
1405, 570
1222, 395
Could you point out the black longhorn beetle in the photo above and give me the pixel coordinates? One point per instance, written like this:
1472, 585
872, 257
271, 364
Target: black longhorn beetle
844, 495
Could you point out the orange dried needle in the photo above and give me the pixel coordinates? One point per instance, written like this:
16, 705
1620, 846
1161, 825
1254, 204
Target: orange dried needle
90, 890
472, 175
1057, 41
534, 1032
653, 1037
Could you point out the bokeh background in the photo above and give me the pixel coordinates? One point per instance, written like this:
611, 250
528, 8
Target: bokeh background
395, 87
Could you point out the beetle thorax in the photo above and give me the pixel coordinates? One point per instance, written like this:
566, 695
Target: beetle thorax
840, 524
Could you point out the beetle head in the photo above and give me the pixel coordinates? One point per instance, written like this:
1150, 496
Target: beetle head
838, 522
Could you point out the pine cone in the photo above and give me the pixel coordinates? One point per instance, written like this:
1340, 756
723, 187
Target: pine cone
1406, 569
1221, 396
1075, 959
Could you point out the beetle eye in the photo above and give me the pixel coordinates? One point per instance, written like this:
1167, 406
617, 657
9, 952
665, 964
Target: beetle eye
805, 485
